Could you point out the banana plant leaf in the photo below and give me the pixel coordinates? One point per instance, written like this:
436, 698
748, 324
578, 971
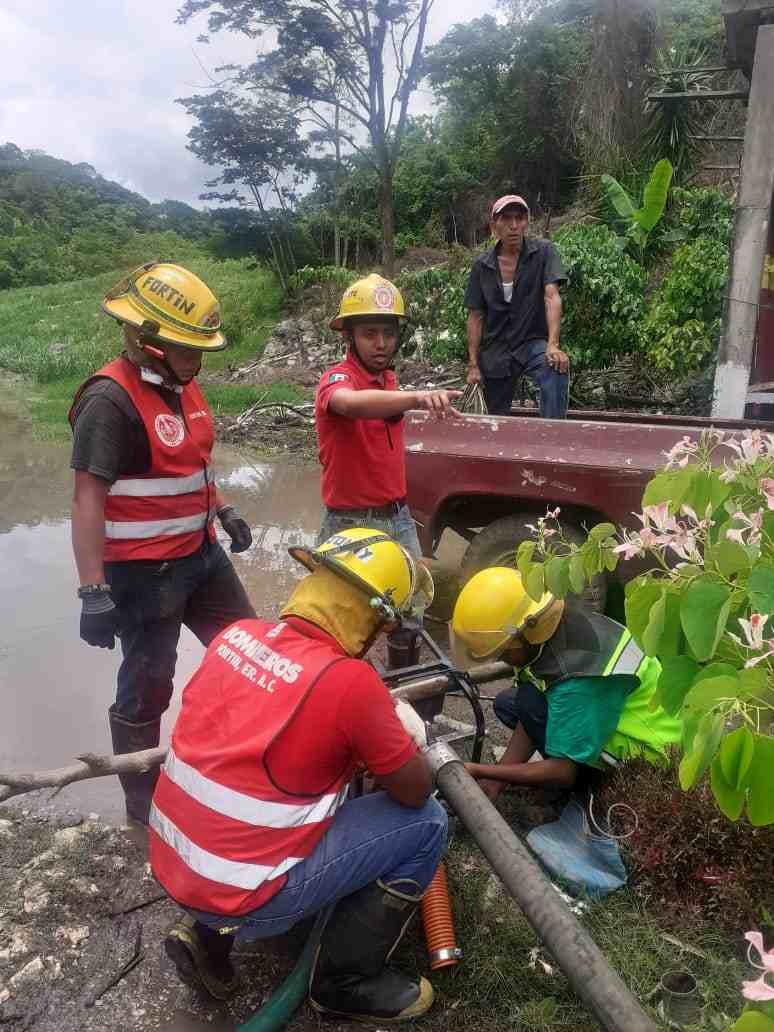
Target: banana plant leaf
655, 196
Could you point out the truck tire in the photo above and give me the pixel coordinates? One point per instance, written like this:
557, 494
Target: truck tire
496, 545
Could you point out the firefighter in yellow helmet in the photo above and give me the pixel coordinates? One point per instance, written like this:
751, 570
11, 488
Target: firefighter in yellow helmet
145, 502
583, 695
359, 420
271, 728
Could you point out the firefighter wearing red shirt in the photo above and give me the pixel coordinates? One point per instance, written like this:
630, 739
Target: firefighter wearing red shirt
359, 419
251, 829
145, 501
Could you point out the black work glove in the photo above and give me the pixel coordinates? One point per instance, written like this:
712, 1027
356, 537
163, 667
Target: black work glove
99, 619
237, 528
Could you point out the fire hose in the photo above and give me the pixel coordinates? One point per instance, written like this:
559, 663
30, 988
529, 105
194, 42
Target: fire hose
597, 984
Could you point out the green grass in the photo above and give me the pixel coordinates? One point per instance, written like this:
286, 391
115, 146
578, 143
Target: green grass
230, 399
495, 987
56, 335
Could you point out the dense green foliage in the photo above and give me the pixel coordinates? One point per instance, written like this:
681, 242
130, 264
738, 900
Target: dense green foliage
683, 322
603, 301
60, 222
681, 331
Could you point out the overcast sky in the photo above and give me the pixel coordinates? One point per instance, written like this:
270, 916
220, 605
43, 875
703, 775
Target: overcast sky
96, 81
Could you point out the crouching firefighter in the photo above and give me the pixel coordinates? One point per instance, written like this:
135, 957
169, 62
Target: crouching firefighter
583, 697
251, 828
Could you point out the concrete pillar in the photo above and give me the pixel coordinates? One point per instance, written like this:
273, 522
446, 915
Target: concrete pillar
751, 232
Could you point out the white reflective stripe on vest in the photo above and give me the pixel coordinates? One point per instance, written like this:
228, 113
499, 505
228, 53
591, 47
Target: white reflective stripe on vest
157, 528
158, 487
246, 808
239, 874
629, 660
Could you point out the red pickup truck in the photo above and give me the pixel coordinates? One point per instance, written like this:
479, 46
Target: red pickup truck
486, 477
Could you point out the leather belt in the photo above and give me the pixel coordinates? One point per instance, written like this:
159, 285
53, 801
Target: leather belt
387, 511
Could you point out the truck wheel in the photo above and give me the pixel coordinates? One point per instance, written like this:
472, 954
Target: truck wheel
496, 545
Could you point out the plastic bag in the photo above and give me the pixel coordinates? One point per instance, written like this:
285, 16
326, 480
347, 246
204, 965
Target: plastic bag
587, 863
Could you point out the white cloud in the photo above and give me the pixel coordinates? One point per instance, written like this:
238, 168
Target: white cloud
97, 82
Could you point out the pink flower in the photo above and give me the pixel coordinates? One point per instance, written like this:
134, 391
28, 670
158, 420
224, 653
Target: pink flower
680, 453
658, 516
552, 514
683, 543
751, 447
752, 525
759, 990
753, 629
631, 547
767, 486
753, 632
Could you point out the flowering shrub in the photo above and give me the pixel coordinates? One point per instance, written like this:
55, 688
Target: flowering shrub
704, 608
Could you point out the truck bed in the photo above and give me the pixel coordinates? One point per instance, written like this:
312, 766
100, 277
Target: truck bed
468, 471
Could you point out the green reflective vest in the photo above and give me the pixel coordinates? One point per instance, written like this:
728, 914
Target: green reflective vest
600, 688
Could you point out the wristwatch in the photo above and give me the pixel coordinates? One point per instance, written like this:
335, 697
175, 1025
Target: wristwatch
92, 589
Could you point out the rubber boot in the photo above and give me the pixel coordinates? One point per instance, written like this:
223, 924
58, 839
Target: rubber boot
138, 788
202, 957
403, 647
349, 978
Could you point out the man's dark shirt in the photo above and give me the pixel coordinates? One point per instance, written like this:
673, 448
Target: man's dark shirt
509, 327
109, 438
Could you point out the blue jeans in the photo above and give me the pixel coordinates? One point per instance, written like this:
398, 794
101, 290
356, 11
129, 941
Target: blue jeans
371, 837
554, 387
401, 527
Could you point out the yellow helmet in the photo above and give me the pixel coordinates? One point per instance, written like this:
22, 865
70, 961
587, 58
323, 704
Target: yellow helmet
493, 610
376, 564
373, 295
169, 304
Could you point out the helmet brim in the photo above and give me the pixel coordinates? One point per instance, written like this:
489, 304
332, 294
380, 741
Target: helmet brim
121, 309
341, 321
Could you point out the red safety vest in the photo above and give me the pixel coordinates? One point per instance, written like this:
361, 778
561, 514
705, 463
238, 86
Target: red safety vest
222, 833
163, 513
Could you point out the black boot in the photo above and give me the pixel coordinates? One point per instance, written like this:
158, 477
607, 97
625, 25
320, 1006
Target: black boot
138, 788
403, 645
202, 957
349, 978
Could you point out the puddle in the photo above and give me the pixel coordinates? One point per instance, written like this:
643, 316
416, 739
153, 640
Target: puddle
55, 688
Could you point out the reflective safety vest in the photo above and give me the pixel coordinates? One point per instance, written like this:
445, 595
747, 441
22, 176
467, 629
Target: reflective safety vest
164, 513
223, 833
600, 687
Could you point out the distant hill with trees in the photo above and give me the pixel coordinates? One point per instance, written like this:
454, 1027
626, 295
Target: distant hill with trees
61, 221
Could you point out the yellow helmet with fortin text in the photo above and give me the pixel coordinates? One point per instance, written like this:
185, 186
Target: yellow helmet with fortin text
168, 304
375, 563
373, 295
493, 611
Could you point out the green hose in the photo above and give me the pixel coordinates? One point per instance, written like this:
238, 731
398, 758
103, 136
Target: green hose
285, 1001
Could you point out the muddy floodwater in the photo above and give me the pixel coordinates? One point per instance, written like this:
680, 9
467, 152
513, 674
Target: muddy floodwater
55, 688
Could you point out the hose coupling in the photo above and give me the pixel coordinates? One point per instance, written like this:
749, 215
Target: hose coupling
439, 755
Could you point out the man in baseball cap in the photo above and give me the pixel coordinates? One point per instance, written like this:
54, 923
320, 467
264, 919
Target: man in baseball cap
514, 314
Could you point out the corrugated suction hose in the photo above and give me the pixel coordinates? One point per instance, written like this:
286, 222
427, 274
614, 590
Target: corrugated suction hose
439, 923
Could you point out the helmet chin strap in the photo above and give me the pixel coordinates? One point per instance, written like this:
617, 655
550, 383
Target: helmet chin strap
160, 359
